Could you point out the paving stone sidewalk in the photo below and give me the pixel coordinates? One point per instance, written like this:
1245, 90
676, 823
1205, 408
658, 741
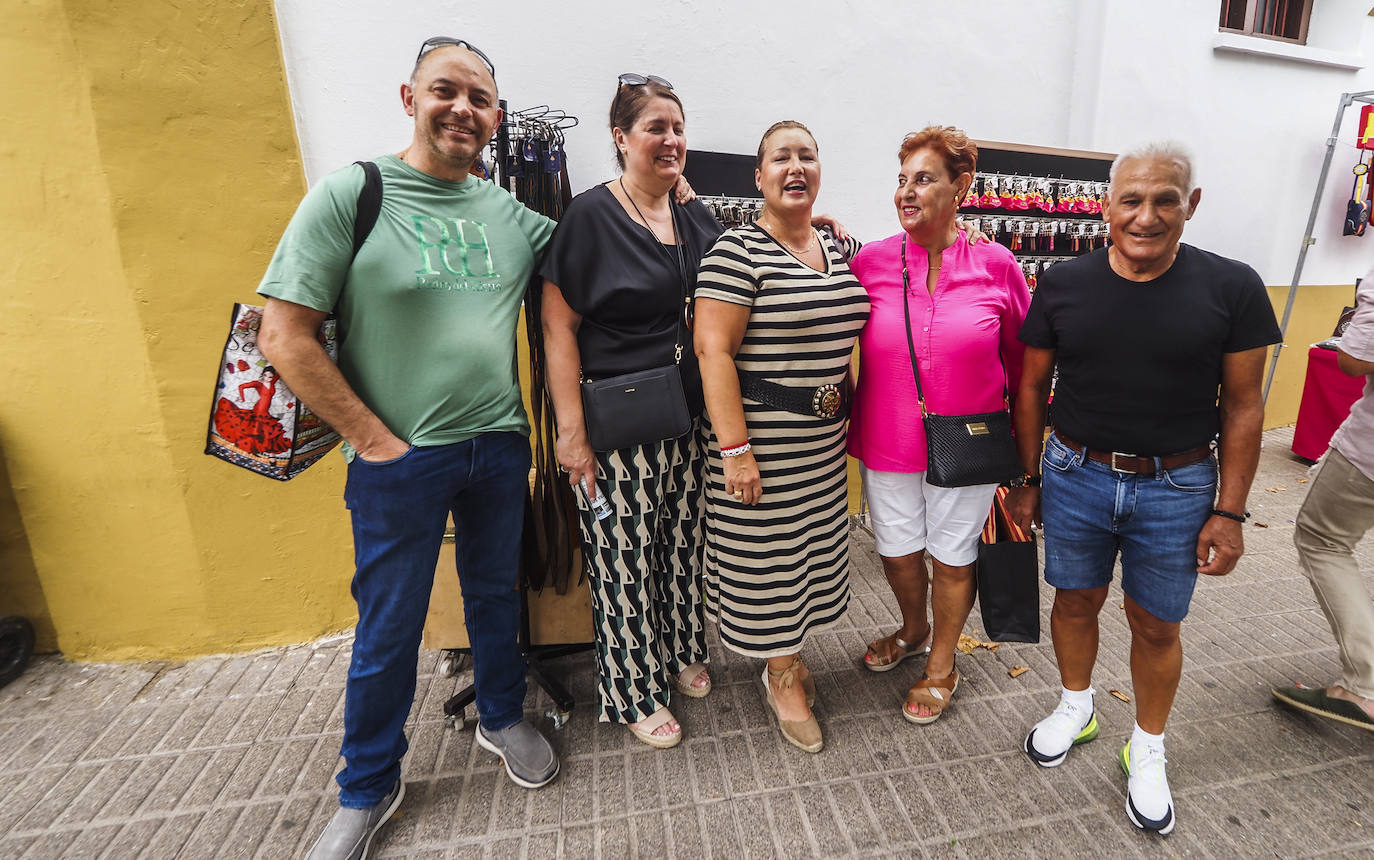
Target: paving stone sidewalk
234, 756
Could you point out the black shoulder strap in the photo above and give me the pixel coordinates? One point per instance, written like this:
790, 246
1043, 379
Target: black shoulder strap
369, 204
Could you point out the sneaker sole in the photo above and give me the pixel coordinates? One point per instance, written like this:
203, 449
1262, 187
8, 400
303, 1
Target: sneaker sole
386, 816
1137, 819
523, 783
1089, 732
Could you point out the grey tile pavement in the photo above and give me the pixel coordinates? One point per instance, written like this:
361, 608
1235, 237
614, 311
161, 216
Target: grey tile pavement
234, 756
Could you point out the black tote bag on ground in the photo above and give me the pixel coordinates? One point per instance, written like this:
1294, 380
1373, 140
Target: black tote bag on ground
1008, 574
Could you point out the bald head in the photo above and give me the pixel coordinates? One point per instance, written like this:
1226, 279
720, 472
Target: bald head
466, 56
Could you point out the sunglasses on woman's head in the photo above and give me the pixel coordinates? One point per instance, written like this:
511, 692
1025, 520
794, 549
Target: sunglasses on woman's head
631, 79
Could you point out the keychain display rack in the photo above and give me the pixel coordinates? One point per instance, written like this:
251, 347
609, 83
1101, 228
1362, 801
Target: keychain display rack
1044, 204
733, 211
526, 157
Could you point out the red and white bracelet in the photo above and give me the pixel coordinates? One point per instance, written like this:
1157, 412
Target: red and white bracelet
736, 450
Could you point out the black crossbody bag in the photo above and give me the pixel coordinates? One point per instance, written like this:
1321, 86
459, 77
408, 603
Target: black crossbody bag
647, 405
963, 450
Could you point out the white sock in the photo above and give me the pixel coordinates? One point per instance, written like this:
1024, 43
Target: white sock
1081, 699
1141, 738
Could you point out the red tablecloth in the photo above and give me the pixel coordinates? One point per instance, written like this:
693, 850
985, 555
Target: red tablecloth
1327, 396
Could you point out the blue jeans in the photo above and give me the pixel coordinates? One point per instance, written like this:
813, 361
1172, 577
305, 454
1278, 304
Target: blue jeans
399, 509
1092, 512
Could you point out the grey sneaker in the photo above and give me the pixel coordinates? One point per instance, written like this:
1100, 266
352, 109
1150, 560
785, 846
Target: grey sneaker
529, 759
349, 834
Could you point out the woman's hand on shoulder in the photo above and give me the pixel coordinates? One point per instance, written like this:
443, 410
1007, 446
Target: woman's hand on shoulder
683, 191
971, 235
832, 224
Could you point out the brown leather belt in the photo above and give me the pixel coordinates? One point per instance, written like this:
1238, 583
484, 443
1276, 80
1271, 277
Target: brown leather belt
1135, 464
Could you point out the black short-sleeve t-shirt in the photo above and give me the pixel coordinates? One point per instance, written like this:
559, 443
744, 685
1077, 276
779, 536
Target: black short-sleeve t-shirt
627, 286
1140, 361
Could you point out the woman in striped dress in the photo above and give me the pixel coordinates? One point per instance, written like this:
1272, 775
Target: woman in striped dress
777, 316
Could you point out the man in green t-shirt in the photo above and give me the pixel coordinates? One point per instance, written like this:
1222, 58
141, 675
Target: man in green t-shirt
426, 397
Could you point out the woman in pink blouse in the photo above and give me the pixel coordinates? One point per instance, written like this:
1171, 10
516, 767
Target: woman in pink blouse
966, 304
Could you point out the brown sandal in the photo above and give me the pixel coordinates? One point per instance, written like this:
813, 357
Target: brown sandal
876, 660
802, 734
935, 693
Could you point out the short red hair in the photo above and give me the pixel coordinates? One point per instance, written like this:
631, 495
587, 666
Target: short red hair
959, 154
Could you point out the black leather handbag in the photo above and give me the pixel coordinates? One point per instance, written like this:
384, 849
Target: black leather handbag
635, 408
963, 450
644, 406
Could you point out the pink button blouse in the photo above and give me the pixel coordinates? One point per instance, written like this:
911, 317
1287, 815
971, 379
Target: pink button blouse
979, 304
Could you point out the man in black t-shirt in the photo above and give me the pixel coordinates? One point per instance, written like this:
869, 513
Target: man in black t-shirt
1145, 335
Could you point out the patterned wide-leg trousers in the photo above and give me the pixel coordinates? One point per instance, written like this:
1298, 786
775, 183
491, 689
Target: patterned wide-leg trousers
645, 568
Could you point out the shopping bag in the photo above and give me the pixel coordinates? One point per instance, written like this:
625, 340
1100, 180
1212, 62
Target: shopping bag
256, 421
1008, 574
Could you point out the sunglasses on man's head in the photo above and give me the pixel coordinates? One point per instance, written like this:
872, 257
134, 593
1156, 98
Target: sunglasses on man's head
445, 41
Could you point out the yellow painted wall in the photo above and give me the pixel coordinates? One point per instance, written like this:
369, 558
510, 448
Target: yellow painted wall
149, 165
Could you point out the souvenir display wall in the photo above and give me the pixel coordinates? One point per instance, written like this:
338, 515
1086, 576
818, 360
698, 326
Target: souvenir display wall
1043, 204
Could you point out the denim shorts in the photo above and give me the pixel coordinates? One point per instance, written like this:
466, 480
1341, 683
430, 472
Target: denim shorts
1092, 512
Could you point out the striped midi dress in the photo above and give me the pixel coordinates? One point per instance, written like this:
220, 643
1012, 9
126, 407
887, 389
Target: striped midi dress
776, 571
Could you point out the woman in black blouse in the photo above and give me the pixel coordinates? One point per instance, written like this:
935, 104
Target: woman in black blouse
616, 276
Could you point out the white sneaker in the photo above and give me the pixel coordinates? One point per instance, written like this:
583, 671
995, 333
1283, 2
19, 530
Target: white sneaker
1050, 740
1149, 804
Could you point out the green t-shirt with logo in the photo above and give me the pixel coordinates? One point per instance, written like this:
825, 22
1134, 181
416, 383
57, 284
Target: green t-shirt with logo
428, 310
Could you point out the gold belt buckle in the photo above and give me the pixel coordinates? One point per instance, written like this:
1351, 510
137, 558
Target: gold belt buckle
826, 401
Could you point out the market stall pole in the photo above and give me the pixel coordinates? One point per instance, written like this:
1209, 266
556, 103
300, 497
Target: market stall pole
1347, 99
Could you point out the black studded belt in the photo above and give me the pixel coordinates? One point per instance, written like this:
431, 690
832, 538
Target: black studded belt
827, 402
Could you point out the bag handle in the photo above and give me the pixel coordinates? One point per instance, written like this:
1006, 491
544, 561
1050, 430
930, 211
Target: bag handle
911, 344
369, 205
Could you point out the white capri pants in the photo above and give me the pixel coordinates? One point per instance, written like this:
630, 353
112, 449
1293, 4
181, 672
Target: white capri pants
909, 515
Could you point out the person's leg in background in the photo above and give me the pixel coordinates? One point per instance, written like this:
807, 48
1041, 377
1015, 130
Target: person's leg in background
1338, 511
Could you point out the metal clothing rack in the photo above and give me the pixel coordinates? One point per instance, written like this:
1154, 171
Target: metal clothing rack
1347, 99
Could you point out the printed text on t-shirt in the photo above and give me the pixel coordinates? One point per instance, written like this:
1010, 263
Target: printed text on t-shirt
454, 255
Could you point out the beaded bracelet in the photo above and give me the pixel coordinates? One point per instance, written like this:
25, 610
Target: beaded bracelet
735, 451
1240, 518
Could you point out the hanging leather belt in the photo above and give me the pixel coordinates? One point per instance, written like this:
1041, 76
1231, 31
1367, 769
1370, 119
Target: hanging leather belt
828, 402
1134, 463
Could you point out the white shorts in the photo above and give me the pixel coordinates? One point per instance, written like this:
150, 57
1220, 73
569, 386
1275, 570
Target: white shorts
909, 515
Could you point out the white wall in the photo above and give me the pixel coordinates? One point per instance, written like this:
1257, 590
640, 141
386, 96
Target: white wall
1088, 74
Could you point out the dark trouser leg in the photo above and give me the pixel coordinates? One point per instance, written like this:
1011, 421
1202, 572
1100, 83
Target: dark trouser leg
398, 511
489, 517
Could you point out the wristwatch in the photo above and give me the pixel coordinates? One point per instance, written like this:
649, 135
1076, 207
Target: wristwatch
1025, 481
